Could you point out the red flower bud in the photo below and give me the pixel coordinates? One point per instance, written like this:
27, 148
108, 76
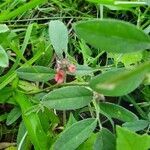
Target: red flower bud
72, 68
59, 76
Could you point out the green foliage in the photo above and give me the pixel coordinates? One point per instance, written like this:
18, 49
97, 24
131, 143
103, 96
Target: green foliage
4, 61
13, 115
102, 141
5, 94
3, 117
116, 82
3, 28
35, 73
67, 98
136, 125
84, 70
71, 120
90, 143
118, 112
32, 122
68, 80
127, 59
112, 36
10, 14
131, 141
73, 136
125, 4
102, 1
59, 37
27, 38
23, 140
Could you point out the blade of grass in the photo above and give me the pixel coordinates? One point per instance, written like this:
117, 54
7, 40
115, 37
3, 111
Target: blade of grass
5, 3
8, 79
27, 37
18, 52
22, 140
32, 123
31, 4
138, 108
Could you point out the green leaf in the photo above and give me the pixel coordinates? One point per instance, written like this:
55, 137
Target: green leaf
23, 141
71, 120
47, 56
120, 81
84, 70
11, 148
67, 98
147, 30
136, 125
1, 70
117, 7
4, 61
27, 37
7, 79
86, 51
27, 86
112, 36
3, 117
147, 79
21, 131
89, 143
126, 4
32, 123
58, 36
14, 114
102, 1
127, 140
118, 112
147, 1
132, 58
76, 134
105, 140
120, 5
3, 28
5, 94
54, 118
127, 59
36, 73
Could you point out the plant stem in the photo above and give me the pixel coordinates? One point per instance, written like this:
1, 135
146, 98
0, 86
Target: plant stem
97, 109
101, 11
47, 18
64, 117
58, 85
140, 111
139, 18
64, 112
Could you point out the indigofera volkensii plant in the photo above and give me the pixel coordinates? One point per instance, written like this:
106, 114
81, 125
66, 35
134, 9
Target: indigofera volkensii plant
43, 97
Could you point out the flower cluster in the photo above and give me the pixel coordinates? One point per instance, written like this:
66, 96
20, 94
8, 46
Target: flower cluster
63, 67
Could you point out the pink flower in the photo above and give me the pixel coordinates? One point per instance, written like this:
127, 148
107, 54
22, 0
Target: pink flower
72, 68
59, 76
